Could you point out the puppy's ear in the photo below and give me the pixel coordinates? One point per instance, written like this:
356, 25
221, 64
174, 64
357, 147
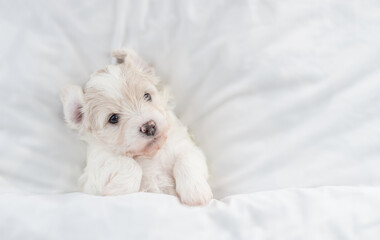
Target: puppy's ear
120, 55
72, 100
131, 58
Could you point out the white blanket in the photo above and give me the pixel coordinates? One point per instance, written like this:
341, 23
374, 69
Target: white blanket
283, 96
321, 213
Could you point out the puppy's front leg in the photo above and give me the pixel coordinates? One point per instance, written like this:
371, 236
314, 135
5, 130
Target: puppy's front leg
190, 173
124, 176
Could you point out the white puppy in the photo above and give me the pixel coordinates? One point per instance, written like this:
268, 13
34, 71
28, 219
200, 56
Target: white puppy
135, 142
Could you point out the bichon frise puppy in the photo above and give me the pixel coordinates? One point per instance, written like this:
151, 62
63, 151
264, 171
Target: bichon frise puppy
135, 142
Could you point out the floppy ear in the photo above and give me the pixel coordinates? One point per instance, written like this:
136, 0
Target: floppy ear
72, 100
130, 57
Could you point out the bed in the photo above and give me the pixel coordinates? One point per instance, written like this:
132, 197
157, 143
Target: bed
282, 96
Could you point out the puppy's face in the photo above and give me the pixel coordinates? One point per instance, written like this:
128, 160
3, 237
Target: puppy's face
120, 108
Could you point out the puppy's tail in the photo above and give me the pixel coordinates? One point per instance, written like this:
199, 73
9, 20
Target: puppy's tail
120, 55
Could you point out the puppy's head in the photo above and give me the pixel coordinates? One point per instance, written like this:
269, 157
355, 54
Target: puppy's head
120, 107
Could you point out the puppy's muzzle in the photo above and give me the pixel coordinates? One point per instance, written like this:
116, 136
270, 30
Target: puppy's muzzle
149, 128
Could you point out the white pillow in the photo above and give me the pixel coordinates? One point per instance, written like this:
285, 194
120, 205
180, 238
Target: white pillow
278, 94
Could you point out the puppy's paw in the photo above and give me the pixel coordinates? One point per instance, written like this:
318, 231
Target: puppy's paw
123, 176
126, 180
196, 193
120, 185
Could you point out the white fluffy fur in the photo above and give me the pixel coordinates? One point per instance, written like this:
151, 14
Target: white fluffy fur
120, 159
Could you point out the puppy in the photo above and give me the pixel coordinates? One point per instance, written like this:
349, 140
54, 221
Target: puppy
135, 141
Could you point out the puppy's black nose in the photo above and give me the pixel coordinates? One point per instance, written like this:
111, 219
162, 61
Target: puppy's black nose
148, 128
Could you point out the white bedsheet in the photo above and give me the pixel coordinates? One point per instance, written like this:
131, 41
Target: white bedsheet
279, 94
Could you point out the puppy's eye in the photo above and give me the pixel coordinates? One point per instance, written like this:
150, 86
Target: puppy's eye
147, 97
114, 119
